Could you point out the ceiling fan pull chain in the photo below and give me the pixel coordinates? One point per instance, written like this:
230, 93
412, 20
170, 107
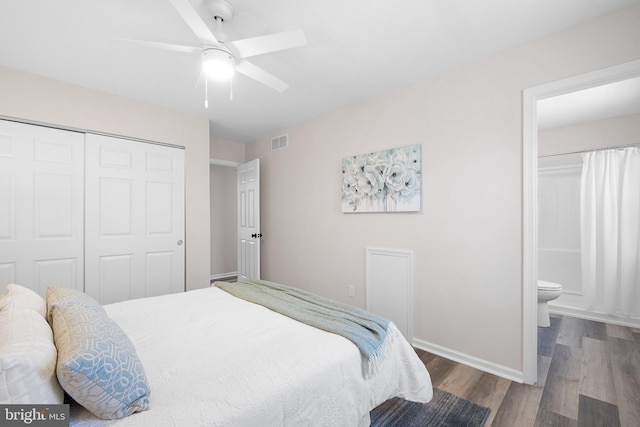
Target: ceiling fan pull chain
206, 93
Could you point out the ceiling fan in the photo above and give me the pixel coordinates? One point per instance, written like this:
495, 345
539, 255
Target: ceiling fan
221, 59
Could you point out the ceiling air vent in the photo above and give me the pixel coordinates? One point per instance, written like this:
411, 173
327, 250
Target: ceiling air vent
279, 142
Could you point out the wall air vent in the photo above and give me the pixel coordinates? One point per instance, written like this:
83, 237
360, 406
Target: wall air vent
279, 142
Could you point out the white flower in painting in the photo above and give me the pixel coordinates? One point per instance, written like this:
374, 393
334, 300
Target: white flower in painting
394, 176
351, 195
358, 164
414, 160
349, 184
370, 182
377, 160
373, 158
399, 156
411, 184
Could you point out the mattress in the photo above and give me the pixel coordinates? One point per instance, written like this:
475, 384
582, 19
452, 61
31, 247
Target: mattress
216, 360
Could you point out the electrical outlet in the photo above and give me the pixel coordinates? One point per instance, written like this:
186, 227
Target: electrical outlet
351, 290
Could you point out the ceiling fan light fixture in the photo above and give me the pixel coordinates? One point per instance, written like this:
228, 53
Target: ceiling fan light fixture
218, 64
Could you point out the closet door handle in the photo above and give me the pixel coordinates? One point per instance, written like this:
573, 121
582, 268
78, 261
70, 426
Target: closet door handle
180, 242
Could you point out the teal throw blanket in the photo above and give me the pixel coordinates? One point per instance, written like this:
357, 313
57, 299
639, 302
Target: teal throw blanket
366, 330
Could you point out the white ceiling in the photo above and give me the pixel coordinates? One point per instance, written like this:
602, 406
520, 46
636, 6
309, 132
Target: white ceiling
357, 49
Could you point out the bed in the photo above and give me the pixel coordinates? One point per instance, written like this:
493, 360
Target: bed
214, 359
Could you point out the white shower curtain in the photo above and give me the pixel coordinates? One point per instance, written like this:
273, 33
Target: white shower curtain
610, 231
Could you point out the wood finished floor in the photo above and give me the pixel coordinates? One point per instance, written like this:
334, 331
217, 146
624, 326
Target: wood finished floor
588, 375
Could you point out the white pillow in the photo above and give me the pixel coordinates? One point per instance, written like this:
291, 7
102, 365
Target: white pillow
27, 358
23, 297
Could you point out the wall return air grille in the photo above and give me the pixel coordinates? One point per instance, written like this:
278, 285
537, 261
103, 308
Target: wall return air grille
279, 142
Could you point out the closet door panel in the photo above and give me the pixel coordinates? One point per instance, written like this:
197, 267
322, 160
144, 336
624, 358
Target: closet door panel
62, 272
159, 274
115, 210
116, 278
54, 206
7, 273
7, 208
158, 203
134, 219
42, 203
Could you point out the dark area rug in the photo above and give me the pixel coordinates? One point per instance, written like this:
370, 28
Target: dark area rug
444, 410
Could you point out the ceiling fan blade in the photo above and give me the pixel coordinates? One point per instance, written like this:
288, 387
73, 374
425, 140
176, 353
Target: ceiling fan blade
194, 21
270, 43
164, 46
260, 75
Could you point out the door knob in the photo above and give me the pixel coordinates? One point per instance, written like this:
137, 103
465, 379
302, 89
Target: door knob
180, 242
256, 235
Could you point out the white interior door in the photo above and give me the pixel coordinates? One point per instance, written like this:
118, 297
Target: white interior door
41, 206
134, 222
249, 220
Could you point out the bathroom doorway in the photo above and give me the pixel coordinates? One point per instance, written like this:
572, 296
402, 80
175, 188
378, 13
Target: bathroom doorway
599, 126
533, 99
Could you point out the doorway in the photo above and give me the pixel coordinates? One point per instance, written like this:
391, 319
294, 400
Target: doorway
224, 220
235, 220
531, 98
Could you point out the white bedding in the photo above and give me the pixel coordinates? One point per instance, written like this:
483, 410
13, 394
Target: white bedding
213, 359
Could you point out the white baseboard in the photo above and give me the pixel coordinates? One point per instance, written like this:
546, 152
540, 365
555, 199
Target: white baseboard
474, 362
223, 275
631, 322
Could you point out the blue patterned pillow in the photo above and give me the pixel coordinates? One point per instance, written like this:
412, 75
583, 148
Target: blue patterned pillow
97, 363
58, 294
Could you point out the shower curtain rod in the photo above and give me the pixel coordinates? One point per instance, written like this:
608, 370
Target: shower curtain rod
637, 144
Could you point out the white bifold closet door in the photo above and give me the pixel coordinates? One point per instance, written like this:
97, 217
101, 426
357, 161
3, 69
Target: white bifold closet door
95, 213
41, 206
134, 219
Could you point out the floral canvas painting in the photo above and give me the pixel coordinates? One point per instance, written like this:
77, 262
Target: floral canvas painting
385, 181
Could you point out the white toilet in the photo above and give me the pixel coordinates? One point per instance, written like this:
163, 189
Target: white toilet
547, 291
